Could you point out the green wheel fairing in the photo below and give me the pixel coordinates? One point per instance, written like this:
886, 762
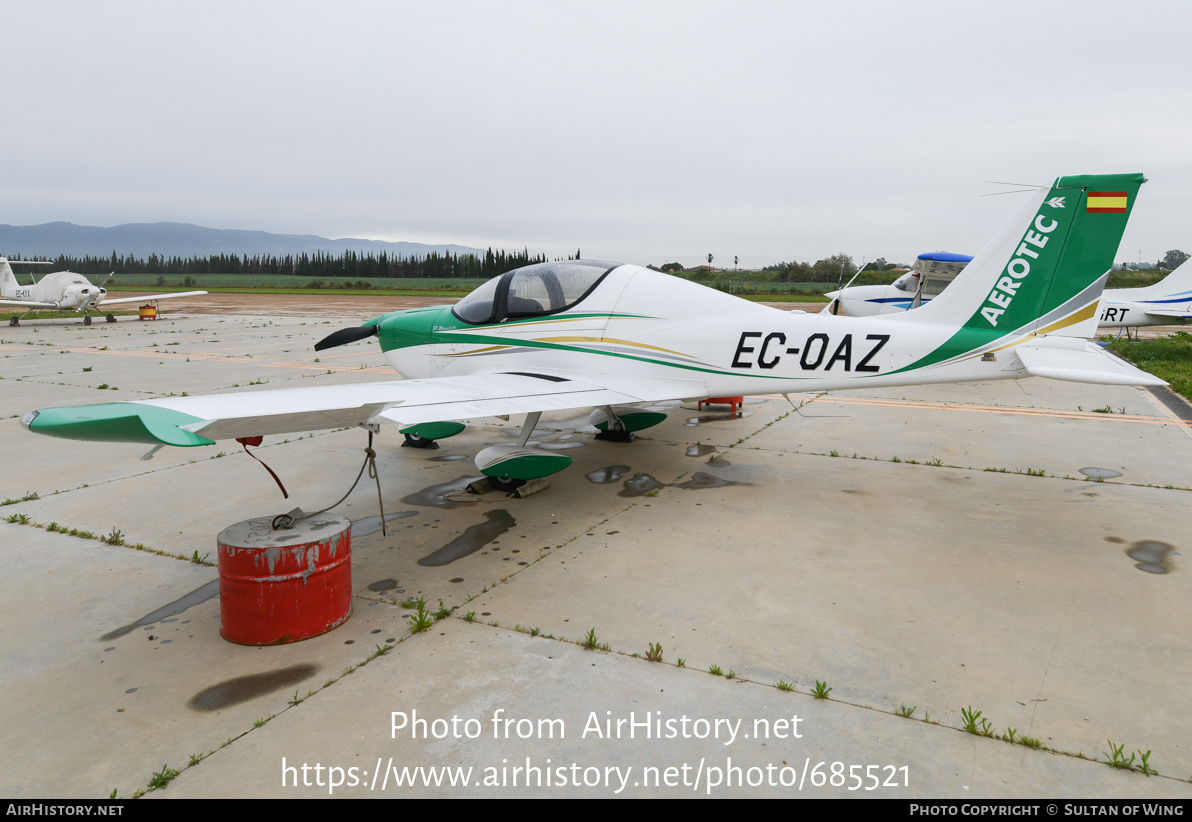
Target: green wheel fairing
525, 466
636, 420
434, 430
118, 422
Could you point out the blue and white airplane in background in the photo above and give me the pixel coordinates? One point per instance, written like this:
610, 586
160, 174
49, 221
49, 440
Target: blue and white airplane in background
1167, 302
926, 279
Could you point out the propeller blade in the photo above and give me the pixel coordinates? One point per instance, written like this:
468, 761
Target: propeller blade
345, 336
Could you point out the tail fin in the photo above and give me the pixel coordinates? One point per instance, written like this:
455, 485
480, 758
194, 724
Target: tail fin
8, 281
1176, 284
1044, 271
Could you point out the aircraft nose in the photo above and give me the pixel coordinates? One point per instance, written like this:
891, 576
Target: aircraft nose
411, 327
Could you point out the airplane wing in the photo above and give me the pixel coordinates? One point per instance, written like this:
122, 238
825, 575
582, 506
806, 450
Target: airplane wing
152, 297
1088, 364
187, 421
28, 304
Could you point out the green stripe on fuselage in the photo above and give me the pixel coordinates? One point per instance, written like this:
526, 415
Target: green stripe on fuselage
420, 326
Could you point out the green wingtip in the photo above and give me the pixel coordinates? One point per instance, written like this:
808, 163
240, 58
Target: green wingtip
116, 422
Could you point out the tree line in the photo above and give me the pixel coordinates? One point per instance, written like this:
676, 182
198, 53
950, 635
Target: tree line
318, 264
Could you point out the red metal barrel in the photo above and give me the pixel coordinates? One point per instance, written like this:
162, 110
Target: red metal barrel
284, 585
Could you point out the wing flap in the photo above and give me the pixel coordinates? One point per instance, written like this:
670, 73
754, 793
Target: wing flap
1090, 364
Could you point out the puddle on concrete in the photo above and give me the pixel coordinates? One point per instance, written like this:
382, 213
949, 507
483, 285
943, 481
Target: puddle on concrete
472, 540
383, 585
201, 594
705, 418
1151, 556
436, 495
700, 450
560, 446
450, 457
244, 688
718, 462
611, 473
702, 479
1100, 473
639, 485
370, 525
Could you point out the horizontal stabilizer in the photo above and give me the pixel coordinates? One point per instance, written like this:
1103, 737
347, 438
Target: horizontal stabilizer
1175, 315
1092, 364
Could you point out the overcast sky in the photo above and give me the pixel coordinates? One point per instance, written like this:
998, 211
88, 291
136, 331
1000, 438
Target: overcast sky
640, 131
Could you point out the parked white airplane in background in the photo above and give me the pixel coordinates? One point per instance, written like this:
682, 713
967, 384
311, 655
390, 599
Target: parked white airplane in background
1167, 302
582, 333
929, 275
64, 291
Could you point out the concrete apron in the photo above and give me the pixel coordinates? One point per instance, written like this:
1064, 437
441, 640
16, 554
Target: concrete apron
897, 585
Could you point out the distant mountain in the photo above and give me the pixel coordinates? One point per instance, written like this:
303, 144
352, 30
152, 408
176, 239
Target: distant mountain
186, 240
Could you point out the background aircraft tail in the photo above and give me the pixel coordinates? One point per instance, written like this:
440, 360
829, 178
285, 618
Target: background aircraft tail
1044, 271
8, 281
1177, 283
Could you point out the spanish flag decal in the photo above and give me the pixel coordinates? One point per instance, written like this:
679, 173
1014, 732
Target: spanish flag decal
1107, 202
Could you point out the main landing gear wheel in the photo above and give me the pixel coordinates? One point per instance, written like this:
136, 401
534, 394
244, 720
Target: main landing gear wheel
86, 319
616, 435
415, 441
505, 483
111, 318
15, 321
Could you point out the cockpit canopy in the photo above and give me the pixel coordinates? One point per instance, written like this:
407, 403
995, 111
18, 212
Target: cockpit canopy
532, 291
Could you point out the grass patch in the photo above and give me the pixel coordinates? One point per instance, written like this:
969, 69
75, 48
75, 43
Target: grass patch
162, 778
592, 642
422, 618
1169, 359
974, 724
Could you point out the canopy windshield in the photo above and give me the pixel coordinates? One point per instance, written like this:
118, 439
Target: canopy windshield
532, 291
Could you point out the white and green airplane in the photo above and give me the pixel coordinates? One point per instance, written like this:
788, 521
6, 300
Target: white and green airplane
582, 333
